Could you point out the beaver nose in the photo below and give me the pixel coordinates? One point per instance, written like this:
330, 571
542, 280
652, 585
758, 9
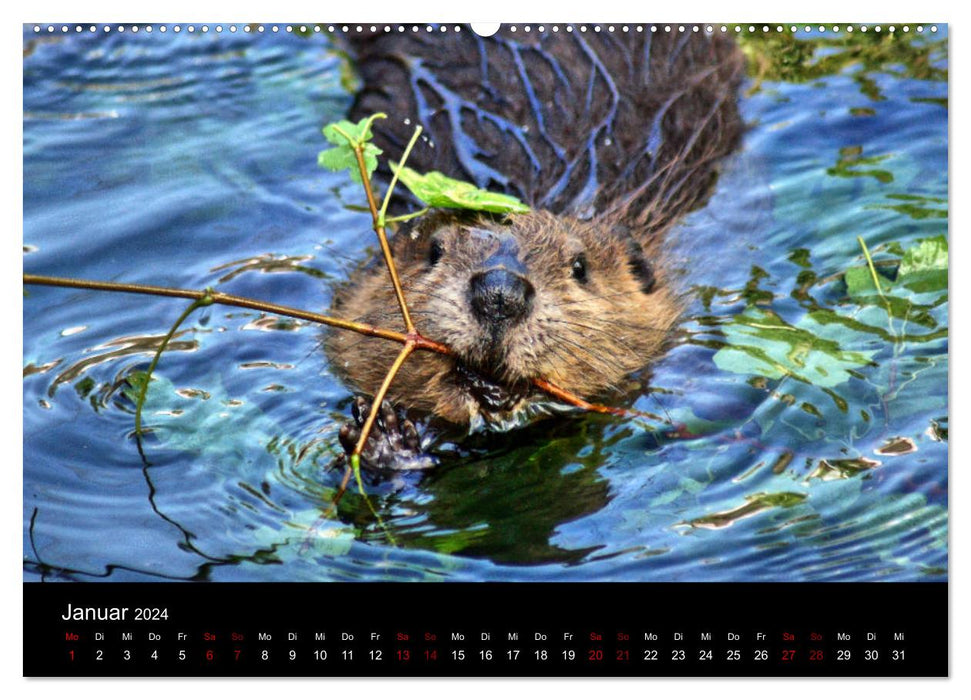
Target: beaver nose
499, 296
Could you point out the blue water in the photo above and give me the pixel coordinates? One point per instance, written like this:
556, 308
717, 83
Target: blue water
810, 425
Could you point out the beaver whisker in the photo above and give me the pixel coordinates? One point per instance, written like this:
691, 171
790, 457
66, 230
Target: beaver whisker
602, 363
615, 324
426, 290
594, 329
593, 297
597, 366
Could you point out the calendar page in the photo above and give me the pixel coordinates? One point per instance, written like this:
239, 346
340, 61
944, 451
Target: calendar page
467, 350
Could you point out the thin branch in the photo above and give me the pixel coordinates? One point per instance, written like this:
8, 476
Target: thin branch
379, 398
394, 178
869, 262
420, 342
354, 463
143, 390
383, 238
232, 300
574, 400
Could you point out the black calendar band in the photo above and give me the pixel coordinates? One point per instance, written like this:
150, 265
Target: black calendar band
479, 629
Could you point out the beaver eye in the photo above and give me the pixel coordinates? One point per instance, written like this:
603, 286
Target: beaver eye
579, 268
435, 253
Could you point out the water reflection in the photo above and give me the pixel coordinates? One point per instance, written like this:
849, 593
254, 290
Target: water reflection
807, 392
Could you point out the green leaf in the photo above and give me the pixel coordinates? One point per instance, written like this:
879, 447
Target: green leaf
343, 158
438, 190
346, 136
133, 385
927, 281
923, 268
859, 281
344, 133
927, 254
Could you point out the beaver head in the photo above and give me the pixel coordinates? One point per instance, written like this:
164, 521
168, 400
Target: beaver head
526, 297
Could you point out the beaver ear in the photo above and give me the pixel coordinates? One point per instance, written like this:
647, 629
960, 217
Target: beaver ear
411, 240
639, 265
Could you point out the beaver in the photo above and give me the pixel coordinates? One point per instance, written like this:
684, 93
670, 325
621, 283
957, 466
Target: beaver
609, 138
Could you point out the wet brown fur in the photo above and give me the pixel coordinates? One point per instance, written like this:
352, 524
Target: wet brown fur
584, 336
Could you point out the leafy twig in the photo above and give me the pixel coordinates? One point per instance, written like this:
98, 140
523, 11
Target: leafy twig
421, 343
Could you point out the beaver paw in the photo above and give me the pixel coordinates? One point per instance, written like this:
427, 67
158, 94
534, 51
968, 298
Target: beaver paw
393, 444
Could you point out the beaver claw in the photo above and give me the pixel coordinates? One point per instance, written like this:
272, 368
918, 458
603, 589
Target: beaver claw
393, 444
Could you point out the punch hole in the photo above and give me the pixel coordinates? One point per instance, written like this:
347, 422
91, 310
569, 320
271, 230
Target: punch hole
485, 28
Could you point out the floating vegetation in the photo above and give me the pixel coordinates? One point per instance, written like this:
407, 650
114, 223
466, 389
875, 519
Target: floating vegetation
829, 469
754, 504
